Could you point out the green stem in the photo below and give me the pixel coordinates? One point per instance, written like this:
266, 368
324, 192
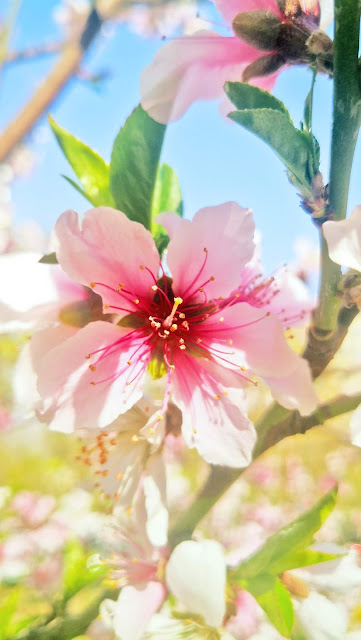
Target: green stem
68, 627
285, 424
345, 128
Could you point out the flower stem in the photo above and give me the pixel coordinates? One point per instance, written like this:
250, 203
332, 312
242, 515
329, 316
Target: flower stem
345, 128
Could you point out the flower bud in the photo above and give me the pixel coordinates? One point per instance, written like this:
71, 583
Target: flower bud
259, 29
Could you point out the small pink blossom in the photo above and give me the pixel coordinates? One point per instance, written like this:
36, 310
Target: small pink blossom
196, 67
188, 327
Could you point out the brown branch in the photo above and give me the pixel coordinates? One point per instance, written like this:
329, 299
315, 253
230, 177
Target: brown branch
29, 54
49, 89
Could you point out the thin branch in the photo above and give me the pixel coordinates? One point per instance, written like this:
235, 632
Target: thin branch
64, 69
221, 478
26, 55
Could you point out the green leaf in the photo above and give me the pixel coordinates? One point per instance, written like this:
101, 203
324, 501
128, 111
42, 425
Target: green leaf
307, 113
89, 167
134, 166
8, 608
49, 258
298, 559
297, 149
294, 537
167, 196
275, 601
76, 573
246, 96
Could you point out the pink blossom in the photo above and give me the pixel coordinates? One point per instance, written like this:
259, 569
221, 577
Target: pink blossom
207, 349
196, 67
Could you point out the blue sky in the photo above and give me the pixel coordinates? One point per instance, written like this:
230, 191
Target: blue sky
215, 160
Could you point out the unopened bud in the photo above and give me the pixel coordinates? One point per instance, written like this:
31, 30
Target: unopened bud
264, 66
295, 585
319, 43
260, 29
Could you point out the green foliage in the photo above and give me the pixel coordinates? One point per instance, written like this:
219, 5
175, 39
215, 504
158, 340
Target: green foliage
246, 96
76, 573
283, 551
268, 118
89, 167
134, 166
275, 601
167, 197
294, 537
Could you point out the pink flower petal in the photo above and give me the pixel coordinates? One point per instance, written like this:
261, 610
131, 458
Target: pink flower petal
295, 391
226, 232
192, 68
344, 240
64, 381
229, 8
213, 407
108, 248
258, 340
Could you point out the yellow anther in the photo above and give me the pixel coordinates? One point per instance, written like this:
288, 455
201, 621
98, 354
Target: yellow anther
237, 295
221, 319
194, 430
218, 397
212, 278
174, 327
200, 289
220, 298
88, 356
127, 384
136, 301
225, 393
92, 285
92, 367
182, 316
119, 475
230, 341
185, 324
181, 341
178, 301
151, 431
182, 346
128, 511
141, 267
106, 306
154, 287
93, 383
129, 362
243, 368
166, 333
160, 417
120, 285
134, 438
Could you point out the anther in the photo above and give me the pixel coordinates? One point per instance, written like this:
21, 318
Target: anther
92, 285
88, 356
154, 287
201, 289
141, 267
129, 362
212, 278
134, 438
92, 367
136, 301
106, 306
218, 397
182, 316
205, 250
174, 327
181, 341
93, 383
221, 319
